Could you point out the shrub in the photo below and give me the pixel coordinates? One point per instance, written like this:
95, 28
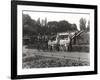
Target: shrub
80, 48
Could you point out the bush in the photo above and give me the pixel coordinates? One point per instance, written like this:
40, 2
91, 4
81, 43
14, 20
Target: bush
80, 48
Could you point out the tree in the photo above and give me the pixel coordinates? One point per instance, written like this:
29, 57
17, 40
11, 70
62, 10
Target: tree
42, 26
29, 25
88, 26
38, 21
82, 24
74, 27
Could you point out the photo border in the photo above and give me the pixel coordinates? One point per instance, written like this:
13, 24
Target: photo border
14, 4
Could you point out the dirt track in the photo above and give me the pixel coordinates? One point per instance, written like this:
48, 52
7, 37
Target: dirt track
66, 55
82, 56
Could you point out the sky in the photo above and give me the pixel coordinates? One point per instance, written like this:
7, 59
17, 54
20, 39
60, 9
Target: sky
56, 16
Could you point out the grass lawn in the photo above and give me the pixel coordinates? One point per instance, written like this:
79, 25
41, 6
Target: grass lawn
38, 61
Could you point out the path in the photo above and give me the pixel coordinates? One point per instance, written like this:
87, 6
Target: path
82, 56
